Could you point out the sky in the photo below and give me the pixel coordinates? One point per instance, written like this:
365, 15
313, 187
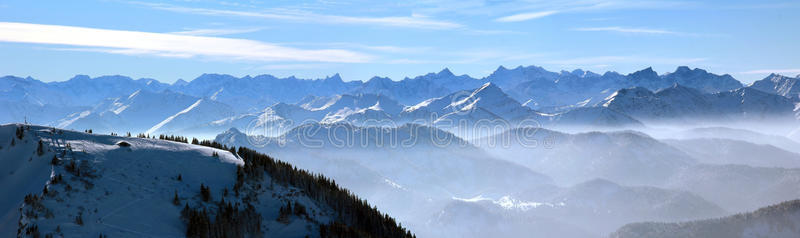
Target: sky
182, 39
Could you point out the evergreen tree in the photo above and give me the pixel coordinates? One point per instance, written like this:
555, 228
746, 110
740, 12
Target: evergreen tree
40, 149
176, 200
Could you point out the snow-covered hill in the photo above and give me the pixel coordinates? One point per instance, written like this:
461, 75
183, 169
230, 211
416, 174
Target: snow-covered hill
66, 183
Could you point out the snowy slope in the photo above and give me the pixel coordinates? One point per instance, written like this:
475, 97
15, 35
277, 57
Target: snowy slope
136, 112
199, 113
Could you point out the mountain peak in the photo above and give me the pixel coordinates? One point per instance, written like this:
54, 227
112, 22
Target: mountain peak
445, 72
80, 77
682, 69
645, 73
334, 77
180, 82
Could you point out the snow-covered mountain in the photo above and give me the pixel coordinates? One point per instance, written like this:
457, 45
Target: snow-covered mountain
80, 90
488, 102
250, 94
778, 84
199, 113
545, 90
143, 110
361, 109
550, 91
77, 184
702, 80
411, 91
778, 221
682, 104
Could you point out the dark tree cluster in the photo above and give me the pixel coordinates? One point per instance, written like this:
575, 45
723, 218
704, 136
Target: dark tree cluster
20, 132
174, 138
205, 193
73, 168
56, 179
142, 135
339, 230
287, 210
88, 131
213, 144
32, 231
79, 170
230, 221
352, 211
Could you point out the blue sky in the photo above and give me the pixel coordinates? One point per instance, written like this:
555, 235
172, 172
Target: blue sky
168, 40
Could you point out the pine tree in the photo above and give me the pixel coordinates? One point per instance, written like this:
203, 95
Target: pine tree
20, 132
176, 200
79, 219
40, 149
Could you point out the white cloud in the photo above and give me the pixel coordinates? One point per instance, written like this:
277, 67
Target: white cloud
525, 16
168, 45
216, 32
627, 30
769, 71
413, 21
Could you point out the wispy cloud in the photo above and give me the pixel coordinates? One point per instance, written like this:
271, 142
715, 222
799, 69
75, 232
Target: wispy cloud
610, 60
216, 32
528, 10
627, 30
769, 71
413, 21
364, 47
525, 16
168, 45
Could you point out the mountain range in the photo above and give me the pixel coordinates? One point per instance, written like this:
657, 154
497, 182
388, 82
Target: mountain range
212, 103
